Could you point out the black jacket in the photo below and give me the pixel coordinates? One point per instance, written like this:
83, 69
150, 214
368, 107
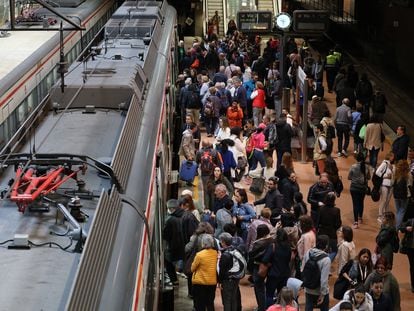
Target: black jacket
173, 235
273, 200
284, 134
317, 193
400, 147
329, 221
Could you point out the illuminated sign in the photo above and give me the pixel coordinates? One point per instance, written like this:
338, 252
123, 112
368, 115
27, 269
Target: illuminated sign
258, 21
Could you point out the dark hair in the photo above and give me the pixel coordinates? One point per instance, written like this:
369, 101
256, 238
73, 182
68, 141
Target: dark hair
274, 179
228, 205
230, 228
382, 261
282, 237
346, 305
235, 131
243, 194
377, 279
262, 230
287, 220
369, 263
204, 227
319, 126
322, 242
306, 223
347, 233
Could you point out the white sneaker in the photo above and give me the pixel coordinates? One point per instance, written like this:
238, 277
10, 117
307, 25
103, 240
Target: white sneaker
339, 154
345, 154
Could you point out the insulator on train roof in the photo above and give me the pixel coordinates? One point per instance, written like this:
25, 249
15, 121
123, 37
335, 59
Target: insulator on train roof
63, 67
55, 107
147, 39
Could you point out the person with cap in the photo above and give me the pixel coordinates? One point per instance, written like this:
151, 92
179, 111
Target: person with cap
173, 236
319, 297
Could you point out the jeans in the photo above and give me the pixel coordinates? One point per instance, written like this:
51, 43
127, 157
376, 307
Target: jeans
273, 284
278, 107
258, 156
401, 207
229, 294
259, 289
342, 130
373, 157
311, 303
257, 116
357, 204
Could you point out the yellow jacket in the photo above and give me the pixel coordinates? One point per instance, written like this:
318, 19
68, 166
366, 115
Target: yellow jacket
204, 267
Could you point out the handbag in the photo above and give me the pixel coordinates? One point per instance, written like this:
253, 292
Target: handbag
340, 287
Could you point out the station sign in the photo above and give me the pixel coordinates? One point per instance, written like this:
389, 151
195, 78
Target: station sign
254, 21
310, 20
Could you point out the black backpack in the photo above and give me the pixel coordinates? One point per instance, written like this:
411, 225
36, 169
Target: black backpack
193, 100
311, 275
330, 131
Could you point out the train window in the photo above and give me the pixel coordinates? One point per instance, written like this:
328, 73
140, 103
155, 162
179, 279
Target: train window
21, 113
31, 101
2, 136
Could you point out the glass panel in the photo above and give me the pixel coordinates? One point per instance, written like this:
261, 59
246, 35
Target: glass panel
234, 6
21, 113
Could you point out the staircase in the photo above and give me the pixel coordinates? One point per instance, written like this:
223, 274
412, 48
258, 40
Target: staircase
266, 5
211, 7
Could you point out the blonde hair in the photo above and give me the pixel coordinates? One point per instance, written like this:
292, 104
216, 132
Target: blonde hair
402, 170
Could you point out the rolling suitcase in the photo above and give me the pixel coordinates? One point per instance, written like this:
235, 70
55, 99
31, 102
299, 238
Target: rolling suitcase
188, 170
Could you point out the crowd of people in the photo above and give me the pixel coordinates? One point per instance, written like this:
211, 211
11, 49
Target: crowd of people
233, 90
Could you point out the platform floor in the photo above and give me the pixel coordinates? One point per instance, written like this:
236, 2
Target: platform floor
363, 237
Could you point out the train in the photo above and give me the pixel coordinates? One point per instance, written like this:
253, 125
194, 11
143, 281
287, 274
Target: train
100, 154
29, 79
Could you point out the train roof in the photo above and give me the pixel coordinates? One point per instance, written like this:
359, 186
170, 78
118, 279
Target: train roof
41, 277
21, 51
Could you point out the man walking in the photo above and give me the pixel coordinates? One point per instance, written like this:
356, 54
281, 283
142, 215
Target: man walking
343, 123
317, 297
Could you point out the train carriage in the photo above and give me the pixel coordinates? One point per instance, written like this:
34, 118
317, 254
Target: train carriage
108, 136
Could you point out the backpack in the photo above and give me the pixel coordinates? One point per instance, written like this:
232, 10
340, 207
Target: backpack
208, 109
193, 101
238, 271
377, 180
330, 131
206, 163
273, 137
311, 275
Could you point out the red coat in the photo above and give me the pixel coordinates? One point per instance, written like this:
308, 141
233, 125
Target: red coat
235, 116
259, 100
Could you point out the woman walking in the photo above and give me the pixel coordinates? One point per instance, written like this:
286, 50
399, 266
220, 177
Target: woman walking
359, 176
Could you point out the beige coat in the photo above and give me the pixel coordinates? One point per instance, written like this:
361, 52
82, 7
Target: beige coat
373, 136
